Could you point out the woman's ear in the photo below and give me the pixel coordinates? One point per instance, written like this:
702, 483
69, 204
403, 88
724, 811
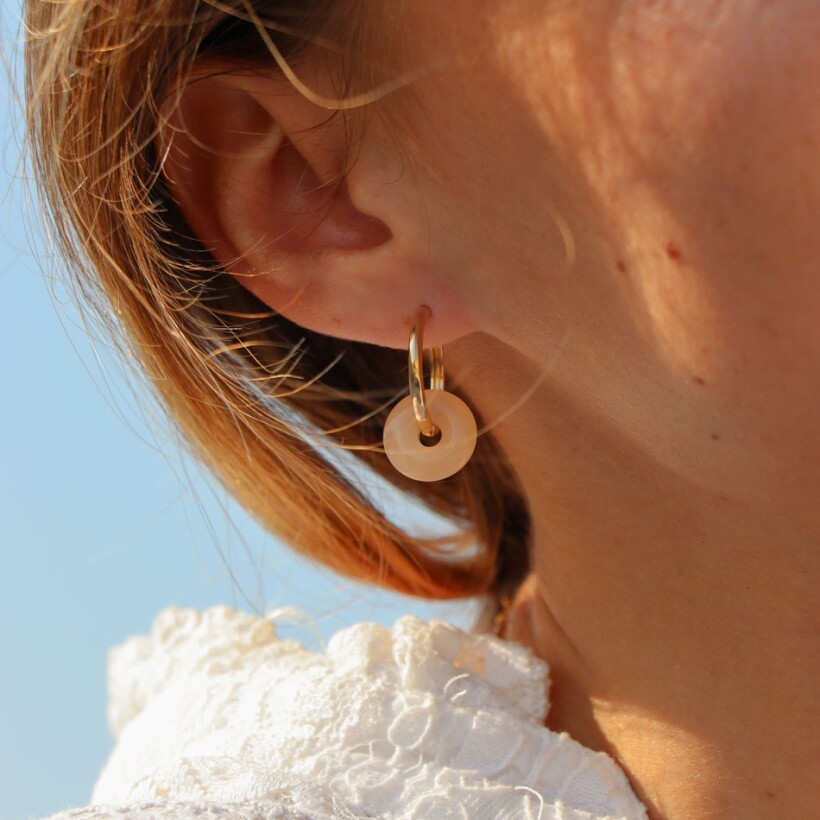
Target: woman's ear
262, 176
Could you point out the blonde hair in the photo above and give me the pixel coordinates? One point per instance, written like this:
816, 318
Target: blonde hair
256, 396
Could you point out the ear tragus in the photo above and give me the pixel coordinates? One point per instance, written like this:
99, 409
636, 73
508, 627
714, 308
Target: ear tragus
315, 215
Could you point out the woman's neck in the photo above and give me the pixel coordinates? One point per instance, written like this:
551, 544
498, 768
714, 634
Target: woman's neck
697, 676
680, 624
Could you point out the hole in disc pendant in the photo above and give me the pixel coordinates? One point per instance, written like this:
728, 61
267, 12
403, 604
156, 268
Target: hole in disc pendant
430, 441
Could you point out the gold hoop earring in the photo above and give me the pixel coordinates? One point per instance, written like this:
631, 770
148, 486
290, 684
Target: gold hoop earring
430, 434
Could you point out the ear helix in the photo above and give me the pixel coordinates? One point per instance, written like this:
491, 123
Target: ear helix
430, 434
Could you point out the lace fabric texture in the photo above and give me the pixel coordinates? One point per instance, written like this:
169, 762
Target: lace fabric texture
215, 716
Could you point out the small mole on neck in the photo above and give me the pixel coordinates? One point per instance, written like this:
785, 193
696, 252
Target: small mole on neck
673, 251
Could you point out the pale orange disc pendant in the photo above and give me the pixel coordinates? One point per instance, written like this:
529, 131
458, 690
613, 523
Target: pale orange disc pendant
407, 450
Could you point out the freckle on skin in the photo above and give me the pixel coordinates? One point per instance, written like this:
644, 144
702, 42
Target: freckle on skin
715, 436
699, 380
622, 266
673, 251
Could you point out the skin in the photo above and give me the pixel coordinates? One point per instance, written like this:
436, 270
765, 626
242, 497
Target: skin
611, 209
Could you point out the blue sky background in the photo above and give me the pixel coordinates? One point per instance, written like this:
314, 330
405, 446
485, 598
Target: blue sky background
103, 521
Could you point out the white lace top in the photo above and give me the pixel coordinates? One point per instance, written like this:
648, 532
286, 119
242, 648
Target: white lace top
215, 716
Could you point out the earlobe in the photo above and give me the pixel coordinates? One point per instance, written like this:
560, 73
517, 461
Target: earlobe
260, 174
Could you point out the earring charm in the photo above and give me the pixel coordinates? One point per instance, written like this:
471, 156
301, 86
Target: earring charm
430, 434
